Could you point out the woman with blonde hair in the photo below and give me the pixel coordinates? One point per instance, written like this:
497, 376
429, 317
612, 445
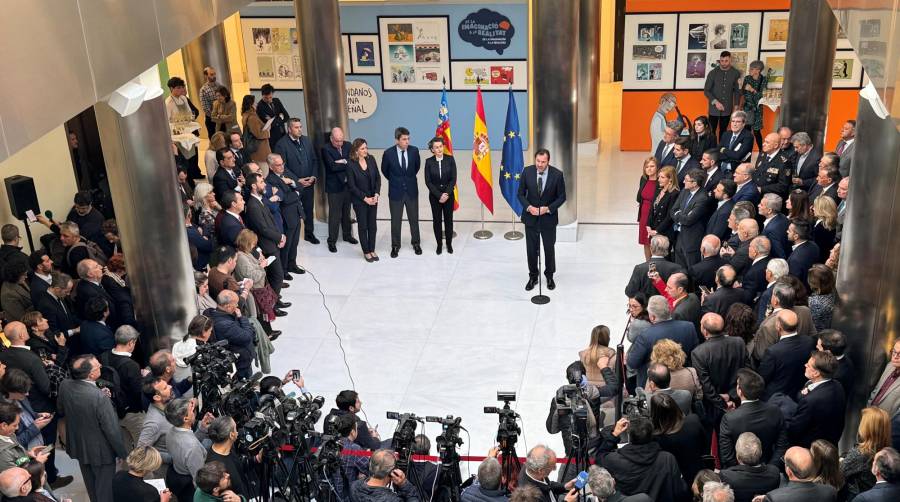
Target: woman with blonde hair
646, 193
130, 485
217, 142
206, 208
250, 267
873, 434
824, 231
669, 354
591, 356
660, 221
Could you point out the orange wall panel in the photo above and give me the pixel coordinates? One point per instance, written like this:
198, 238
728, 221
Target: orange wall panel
842, 107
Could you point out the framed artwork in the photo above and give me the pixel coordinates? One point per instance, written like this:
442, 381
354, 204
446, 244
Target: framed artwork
774, 70
847, 71
345, 51
415, 52
702, 37
494, 75
775, 30
365, 54
649, 61
272, 52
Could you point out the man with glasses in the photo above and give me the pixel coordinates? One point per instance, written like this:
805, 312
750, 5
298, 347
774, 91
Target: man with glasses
773, 168
886, 394
690, 213
746, 189
724, 95
227, 177
736, 144
88, 218
15, 484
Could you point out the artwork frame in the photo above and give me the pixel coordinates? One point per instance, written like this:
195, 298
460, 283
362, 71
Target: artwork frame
345, 52
703, 36
854, 74
774, 30
774, 68
654, 66
360, 46
272, 52
415, 52
461, 74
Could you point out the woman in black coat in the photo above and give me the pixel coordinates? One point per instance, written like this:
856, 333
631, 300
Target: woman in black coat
682, 436
440, 178
660, 214
364, 183
702, 138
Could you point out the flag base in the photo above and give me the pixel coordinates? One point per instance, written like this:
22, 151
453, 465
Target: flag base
540, 299
445, 234
483, 234
513, 235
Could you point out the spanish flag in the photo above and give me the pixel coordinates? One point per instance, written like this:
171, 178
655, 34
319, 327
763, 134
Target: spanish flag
443, 132
481, 157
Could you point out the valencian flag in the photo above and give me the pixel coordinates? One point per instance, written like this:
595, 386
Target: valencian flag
512, 163
481, 157
443, 132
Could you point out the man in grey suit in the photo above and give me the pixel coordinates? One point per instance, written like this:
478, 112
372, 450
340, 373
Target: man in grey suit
658, 382
846, 147
93, 438
886, 393
842, 191
800, 471
301, 160
690, 213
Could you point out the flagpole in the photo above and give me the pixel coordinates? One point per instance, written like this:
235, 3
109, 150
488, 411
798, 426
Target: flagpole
513, 235
483, 233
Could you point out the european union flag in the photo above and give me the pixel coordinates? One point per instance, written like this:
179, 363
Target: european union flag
513, 162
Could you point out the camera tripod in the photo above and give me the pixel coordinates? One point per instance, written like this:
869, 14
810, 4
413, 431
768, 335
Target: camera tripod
577, 455
509, 465
448, 480
294, 483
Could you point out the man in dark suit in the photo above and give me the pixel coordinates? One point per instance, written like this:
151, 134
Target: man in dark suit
725, 294
200, 242
846, 147
782, 364
826, 184
685, 305
747, 230
664, 153
750, 476
746, 189
806, 162
832, 340
800, 471
236, 145
754, 279
723, 194
400, 164
689, 215
89, 286
683, 161
775, 269
886, 468
717, 362
820, 405
291, 212
40, 275
752, 415
540, 464
228, 177
639, 282
664, 326
659, 381
270, 107
300, 159
542, 191
773, 168
96, 336
774, 224
93, 436
230, 220
714, 174
736, 144
335, 155
54, 305
703, 273
270, 239
804, 252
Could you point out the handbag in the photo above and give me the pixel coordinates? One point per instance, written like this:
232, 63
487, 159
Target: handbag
251, 144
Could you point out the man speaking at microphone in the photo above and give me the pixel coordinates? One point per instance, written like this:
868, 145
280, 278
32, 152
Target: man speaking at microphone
541, 192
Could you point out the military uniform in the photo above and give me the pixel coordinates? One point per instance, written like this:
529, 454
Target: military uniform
773, 176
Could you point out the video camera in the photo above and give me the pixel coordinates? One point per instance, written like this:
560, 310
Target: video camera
213, 362
273, 419
404, 435
449, 438
508, 430
635, 406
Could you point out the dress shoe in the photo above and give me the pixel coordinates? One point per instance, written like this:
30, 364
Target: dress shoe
282, 305
351, 240
375, 257
450, 248
395, 251
369, 259
61, 481
417, 248
312, 239
295, 269
439, 249
332, 247
551, 284
285, 285
288, 277
280, 313
532, 282
274, 335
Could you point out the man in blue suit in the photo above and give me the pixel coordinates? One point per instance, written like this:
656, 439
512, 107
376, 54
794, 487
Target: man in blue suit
886, 468
804, 252
301, 160
774, 223
736, 145
400, 165
782, 364
664, 326
718, 222
231, 222
746, 189
664, 153
683, 162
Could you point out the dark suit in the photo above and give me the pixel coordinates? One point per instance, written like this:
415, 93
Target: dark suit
703, 273
60, 315
240, 157
782, 365
710, 184
749, 481
223, 181
776, 231
441, 181
754, 279
638, 357
275, 109
762, 303
300, 160
761, 418
96, 337
801, 259
722, 299
830, 191
718, 221
335, 161
549, 490
203, 244
820, 415
537, 228
806, 170
689, 214
36, 287
640, 282
734, 152
688, 309
881, 492
686, 167
291, 212
740, 260
717, 362
93, 437
669, 158
403, 191
84, 291
362, 184
845, 374
122, 299
260, 220
805, 491
229, 228
773, 175
661, 215
29, 362
747, 192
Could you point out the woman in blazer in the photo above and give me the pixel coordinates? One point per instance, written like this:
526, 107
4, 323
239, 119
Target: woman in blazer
440, 178
660, 220
251, 119
224, 111
364, 183
645, 196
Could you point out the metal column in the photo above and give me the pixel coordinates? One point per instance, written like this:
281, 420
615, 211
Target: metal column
206, 50
588, 68
555, 89
812, 37
324, 92
141, 169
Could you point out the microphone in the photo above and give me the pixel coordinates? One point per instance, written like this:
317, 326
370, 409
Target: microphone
49, 214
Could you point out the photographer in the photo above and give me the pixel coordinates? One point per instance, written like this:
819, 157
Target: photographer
382, 474
423, 472
487, 486
199, 332
348, 403
223, 433
353, 465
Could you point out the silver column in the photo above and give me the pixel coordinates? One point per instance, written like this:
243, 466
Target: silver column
324, 93
138, 154
554, 89
206, 50
812, 36
588, 68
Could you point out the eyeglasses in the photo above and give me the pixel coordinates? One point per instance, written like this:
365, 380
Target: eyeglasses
895, 353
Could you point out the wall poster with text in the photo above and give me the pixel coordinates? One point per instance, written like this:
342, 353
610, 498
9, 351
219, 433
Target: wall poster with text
415, 52
272, 52
493, 75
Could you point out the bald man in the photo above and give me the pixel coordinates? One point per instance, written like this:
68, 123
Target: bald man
783, 363
15, 482
727, 293
747, 230
230, 325
746, 189
335, 155
703, 273
717, 362
800, 487
539, 465
773, 168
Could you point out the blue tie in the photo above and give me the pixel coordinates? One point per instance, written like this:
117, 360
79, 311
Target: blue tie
403, 159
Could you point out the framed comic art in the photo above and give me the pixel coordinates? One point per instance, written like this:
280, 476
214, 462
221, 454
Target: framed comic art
415, 52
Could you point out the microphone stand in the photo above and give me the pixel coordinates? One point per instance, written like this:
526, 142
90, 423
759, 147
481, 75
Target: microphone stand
620, 368
540, 298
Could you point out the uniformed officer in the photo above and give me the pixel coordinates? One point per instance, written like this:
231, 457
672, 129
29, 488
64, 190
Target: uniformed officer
773, 168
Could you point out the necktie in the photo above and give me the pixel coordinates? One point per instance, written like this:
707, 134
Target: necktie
63, 305
540, 184
841, 147
680, 165
403, 160
731, 143
439, 170
842, 206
